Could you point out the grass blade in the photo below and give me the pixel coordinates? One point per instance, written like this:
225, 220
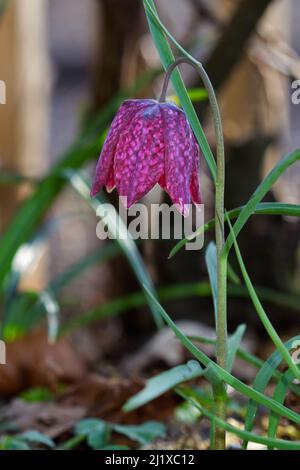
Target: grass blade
234, 342
163, 382
211, 264
174, 292
276, 443
258, 195
263, 208
261, 381
223, 374
279, 395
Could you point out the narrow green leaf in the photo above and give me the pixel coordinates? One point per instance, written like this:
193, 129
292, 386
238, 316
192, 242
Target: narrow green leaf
263, 208
70, 444
163, 382
232, 275
279, 395
224, 375
234, 342
263, 377
254, 361
259, 194
174, 292
211, 264
276, 443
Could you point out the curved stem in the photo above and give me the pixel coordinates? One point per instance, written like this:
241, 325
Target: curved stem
221, 314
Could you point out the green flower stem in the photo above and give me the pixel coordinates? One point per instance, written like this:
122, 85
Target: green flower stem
221, 317
159, 36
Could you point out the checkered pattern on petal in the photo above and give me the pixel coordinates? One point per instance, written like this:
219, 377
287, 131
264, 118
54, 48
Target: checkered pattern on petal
105, 163
179, 156
139, 157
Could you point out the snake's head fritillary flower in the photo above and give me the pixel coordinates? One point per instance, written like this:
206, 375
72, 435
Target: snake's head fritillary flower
150, 142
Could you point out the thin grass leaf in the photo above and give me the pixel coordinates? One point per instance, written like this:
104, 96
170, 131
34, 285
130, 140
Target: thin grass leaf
71, 443
263, 208
276, 443
279, 395
158, 32
232, 275
224, 375
258, 195
261, 381
211, 264
234, 342
174, 292
163, 382
252, 360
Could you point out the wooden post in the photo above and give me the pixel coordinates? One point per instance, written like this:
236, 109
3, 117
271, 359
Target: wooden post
24, 118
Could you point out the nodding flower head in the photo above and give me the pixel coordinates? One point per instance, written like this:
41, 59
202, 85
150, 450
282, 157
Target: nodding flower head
150, 142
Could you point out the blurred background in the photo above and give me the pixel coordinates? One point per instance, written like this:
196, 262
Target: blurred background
68, 63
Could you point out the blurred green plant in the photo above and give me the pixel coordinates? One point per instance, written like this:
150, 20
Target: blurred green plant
29, 440
98, 434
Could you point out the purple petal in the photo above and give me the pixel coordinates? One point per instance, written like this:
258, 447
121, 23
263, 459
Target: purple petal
139, 158
105, 163
195, 182
180, 156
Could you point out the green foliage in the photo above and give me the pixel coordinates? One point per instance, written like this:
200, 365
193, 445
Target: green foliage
233, 346
262, 208
97, 432
26, 441
37, 395
224, 375
163, 382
